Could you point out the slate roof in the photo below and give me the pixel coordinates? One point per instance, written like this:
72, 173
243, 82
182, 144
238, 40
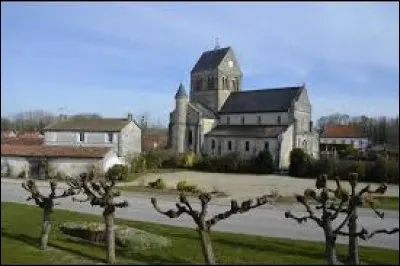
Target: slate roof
264, 100
53, 151
210, 59
90, 125
206, 113
342, 131
266, 131
181, 92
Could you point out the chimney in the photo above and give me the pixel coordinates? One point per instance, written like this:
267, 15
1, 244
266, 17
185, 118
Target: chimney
130, 116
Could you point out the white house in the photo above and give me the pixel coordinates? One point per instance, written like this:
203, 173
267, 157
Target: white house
334, 136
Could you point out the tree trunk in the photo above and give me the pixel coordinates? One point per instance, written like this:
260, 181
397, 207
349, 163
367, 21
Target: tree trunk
46, 227
330, 251
353, 257
207, 248
110, 239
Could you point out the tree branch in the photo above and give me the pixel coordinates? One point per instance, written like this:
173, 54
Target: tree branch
170, 213
300, 220
382, 231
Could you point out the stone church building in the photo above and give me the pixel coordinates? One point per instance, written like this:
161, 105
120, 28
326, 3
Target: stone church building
219, 118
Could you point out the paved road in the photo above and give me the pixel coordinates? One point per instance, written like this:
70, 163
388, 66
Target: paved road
266, 221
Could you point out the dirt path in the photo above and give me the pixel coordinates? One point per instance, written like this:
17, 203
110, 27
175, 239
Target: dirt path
242, 186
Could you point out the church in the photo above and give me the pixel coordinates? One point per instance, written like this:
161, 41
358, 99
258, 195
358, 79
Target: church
218, 117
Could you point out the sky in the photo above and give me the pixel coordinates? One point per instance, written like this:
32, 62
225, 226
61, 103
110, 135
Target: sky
113, 58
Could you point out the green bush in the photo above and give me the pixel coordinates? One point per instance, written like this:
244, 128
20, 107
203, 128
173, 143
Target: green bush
158, 184
299, 163
22, 174
263, 163
117, 171
393, 172
183, 186
153, 160
138, 164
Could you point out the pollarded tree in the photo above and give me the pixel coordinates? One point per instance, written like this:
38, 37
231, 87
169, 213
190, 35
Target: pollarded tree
101, 193
199, 217
47, 203
358, 199
328, 215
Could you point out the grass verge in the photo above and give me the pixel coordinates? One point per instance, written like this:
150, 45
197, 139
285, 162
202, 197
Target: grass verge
20, 229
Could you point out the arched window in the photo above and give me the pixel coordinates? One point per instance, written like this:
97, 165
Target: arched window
228, 120
242, 119
229, 145
247, 146
199, 84
259, 120
266, 145
210, 82
190, 138
212, 144
233, 84
304, 144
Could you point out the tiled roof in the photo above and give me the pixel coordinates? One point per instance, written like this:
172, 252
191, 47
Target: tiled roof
210, 59
247, 131
205, 112
23, 140
53, 151
264, 100
342, 131
90, 124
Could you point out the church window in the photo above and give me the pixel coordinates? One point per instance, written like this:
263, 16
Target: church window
190, 138
229, 145
247, 146
210, 83
212, 144
228, 120
304, 144
259, 119
199, 84
279, 120
242, 120
266, 145
233, 84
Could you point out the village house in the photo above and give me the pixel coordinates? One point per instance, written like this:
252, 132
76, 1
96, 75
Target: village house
336, 137
219, 118
72, 146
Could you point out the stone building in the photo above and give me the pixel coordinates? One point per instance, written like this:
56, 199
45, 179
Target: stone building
219, 118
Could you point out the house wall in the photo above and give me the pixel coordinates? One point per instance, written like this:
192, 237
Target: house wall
358, 143
73, 166
16, 164
131, 140
286, 146
252, 119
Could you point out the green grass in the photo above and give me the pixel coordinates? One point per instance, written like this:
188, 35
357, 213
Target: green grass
20, 229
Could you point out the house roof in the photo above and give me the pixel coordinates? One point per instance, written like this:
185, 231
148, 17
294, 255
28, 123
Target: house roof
210, 59
23, 140
268, 131
181, 92
342, 131
264, 100
53, 151
205, 112
89, 124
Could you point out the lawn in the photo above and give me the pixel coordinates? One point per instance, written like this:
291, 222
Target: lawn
20, 229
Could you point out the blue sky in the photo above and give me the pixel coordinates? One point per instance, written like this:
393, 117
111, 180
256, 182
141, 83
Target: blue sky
112, 58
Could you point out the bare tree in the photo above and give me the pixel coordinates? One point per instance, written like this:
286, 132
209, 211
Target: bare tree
47, 204
199, 217
101, 193
325, 221
358, 199
331, 211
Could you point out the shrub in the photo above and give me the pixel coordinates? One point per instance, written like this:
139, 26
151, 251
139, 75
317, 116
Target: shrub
22, 174
190, 159
359, 168
153, 159
393, 172
263, 162
158, 184
138, 164
117, 171
379, 171
185, 187
299, 163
